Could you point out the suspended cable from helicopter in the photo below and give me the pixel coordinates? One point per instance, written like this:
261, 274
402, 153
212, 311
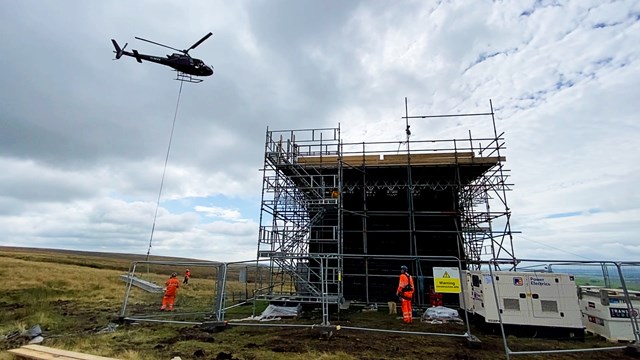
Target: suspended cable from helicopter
186, 68
166, 161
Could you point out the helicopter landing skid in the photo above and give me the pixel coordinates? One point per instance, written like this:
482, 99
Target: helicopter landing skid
180, 76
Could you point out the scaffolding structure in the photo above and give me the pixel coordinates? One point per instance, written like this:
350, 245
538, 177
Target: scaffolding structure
332, 212
299, 210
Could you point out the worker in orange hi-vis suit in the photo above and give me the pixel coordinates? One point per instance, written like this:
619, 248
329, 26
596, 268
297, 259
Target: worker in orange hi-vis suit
170, 292
187, 276
405, 292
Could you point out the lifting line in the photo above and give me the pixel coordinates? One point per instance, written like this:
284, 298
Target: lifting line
166, 160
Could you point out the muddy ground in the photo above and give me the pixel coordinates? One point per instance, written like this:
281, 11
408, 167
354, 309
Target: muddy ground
246, 341
369, 345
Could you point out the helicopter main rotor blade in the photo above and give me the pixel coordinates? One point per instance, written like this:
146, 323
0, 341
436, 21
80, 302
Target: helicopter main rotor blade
155, 43
198, 43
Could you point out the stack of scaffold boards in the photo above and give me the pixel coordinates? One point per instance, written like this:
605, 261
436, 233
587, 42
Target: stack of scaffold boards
39, 352
142, 284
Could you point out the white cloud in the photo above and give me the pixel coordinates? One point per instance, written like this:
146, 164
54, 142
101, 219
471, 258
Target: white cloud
217, 212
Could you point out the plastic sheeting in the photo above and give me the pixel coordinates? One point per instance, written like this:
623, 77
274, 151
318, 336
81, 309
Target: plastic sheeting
35, 331
441, 314
273, 312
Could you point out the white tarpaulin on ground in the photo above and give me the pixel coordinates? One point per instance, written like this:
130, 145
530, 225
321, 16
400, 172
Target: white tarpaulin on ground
273, 312
440, 313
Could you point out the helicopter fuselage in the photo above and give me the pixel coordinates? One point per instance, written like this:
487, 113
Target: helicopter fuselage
182, 63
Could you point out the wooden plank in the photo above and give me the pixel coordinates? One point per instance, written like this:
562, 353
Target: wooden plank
440, 160
435, 159
61, 352
429, 157
46, 353
357, 160
36, 355
316, 160
488, 160
333, 160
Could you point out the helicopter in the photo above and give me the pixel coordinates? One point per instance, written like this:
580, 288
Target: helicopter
185, 65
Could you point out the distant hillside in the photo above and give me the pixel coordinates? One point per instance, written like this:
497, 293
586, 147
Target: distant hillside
97, 260
120, 256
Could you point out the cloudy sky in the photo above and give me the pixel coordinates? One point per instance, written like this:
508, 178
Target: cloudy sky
83, 139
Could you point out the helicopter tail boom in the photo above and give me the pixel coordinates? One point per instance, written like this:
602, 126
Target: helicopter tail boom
137, 56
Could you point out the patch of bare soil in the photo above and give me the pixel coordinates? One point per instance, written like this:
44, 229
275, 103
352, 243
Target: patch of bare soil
4, 306
13, 340
372, 345
72, 320
191, 334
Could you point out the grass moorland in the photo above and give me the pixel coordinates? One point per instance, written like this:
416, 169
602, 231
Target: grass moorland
73, 295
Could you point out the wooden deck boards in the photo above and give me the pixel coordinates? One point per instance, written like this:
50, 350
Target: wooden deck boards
39, 352
435, 159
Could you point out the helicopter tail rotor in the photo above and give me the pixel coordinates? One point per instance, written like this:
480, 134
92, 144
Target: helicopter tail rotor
119, 52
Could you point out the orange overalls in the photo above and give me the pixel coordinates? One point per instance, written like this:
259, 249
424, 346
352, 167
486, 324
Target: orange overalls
170, 294
187, 276
406, 294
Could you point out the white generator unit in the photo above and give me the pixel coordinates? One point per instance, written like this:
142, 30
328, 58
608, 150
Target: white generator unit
539, 299
605, 312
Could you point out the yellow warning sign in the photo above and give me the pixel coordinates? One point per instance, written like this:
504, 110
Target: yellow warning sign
446, 280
